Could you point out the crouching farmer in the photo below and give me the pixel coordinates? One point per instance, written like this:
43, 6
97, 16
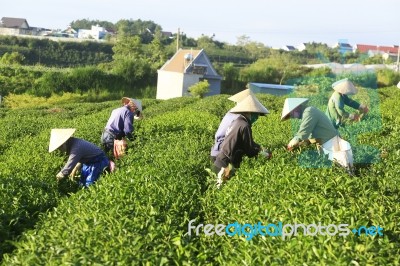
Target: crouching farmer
316, 127
239, 138
92, 158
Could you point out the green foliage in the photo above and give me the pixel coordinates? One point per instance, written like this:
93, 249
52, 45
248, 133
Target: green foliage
140, 213
387, 77
13, 58
53, 53
199, 89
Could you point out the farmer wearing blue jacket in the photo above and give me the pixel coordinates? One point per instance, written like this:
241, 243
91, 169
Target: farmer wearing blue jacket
335, 109
120, 124
80, 152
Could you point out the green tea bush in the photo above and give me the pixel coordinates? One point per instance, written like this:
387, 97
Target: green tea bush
140, 213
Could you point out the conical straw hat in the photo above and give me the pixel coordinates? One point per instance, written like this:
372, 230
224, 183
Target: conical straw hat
250, 104
59, 136
138, 103
291, 104
240, 95
344, 86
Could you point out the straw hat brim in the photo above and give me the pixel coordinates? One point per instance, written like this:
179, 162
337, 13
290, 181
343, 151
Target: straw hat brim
250, 104
240, 95
291, 104
345, 87
59, 136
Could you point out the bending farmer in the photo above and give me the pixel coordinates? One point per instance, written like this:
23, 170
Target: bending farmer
92, 158
335, 110
239, 138
315, 125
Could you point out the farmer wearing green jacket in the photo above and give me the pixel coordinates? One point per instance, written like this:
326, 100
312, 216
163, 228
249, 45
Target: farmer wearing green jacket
335, 110
316, 127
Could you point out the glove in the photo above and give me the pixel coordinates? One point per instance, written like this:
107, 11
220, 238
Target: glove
292, 144
363, 108
60, 176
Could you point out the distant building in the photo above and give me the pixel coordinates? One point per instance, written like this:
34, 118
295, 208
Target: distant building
301, 47
274, 89
184, 69
372, 50
343, 47
14, 26
288, 48
96, 32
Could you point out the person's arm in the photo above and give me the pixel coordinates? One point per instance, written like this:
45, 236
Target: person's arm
73, 159
351, 103
128, 125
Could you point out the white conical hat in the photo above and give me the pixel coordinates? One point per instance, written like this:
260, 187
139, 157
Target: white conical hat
398, 85
58, 136
240, 95
250, 104
344, 86
291, 104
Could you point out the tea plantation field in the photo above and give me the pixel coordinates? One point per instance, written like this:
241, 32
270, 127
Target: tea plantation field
140, 214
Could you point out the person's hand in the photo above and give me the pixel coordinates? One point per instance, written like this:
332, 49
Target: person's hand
292, 144
60, 176
356, 117
363, 108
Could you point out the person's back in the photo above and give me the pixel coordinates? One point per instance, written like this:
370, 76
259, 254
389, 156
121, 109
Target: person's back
315, 124
220, 134
237, 143
120, 122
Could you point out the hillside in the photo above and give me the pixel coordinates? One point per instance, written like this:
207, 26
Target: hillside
141, 213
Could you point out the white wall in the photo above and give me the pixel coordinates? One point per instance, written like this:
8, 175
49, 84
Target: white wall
169, 84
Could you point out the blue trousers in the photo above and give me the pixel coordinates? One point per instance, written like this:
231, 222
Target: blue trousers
92, 171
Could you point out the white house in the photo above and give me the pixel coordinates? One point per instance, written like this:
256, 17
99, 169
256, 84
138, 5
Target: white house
96, 32
184, 69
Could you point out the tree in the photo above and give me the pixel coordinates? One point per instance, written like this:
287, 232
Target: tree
13, 58
130, 60
199, 89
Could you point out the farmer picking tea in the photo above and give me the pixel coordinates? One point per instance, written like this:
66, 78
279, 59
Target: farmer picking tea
120, 126
225, 123
239, 138
80, 152
316, 127
335, 110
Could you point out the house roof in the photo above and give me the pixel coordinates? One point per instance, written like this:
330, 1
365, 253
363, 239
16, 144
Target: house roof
178, 62
13, 22
364, 48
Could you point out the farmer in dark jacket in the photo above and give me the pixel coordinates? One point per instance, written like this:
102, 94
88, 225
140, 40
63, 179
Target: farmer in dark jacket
82, 153
239, 138
225, 123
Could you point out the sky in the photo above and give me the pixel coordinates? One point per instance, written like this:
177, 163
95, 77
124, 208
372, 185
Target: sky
274, 23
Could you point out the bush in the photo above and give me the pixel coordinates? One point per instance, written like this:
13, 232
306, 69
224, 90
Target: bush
199, 89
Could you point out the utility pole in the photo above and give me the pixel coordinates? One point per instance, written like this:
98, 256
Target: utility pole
177, 40
398, 55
